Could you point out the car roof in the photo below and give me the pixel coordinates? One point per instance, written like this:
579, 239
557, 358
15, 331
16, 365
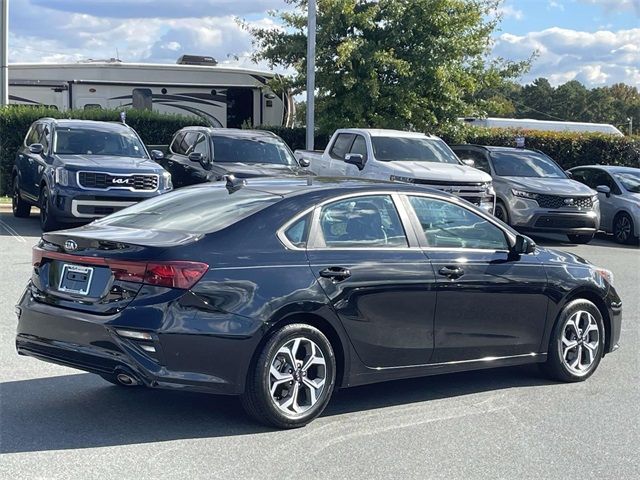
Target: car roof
231, 132
74, 123
294, 186
609, 168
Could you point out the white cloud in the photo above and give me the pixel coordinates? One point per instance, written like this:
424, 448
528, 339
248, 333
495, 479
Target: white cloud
595, 58
509, 11
553, 4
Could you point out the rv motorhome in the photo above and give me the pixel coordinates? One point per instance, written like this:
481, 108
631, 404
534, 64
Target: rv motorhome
545, 125
223, 96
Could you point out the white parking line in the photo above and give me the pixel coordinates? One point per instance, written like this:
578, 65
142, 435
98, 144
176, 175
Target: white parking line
12, 232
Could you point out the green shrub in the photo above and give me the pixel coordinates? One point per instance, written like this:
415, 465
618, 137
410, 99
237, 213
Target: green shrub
154, 129
296, 137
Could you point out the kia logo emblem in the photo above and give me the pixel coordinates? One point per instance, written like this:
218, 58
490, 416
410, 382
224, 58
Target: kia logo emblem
120, 180
568, 201
70, 245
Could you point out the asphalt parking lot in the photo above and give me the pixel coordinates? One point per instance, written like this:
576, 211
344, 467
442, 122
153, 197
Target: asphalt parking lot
56, 422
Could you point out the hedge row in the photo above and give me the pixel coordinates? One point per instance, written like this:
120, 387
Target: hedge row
154, 128
569, 149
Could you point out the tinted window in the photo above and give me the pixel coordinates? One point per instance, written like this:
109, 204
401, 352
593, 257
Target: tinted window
582, 176
251, 149
188, 142
362, 222
525, 164
297, 233
447, 225
479, 159
629, 180
420, 149
201, 210
176, 144
45, 137
142, 98
94, 141
92, 106
32, 135
341, 145
359, 146
200, 146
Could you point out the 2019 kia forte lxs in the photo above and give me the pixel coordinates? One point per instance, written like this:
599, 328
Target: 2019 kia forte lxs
283, 290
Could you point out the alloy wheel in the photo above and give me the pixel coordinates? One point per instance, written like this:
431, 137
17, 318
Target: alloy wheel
580, 342
297, 376
622, 229
501, 212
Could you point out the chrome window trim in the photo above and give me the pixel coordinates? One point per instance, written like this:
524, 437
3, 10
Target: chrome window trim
117, 175
459, 362
281, 232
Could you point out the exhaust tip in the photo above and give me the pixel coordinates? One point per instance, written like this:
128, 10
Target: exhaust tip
126, 380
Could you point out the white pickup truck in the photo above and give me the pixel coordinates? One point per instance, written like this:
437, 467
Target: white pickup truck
403, 157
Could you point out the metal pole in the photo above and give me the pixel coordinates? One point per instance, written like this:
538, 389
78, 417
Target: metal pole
311, 73
4, 53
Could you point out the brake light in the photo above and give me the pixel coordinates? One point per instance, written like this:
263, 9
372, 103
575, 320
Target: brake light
172, 274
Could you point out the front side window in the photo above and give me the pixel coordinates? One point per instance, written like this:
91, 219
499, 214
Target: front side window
412, 149
370, 221
525, 163
359, 146
175, 146
94, 141
32, 136
447, 225
201, 146
341, 145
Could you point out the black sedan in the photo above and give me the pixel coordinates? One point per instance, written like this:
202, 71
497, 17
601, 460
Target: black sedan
281, 290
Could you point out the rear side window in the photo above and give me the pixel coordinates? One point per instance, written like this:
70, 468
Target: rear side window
200, 210
370, 221
298, 232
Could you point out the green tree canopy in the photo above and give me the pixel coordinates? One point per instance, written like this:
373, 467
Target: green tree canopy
391, 63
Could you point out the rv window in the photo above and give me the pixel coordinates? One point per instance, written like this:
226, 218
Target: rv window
239, 107
93, 106
142, 98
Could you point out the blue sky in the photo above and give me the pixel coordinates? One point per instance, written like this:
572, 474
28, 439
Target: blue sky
594, 41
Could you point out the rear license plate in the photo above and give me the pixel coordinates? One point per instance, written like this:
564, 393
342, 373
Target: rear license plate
75, 279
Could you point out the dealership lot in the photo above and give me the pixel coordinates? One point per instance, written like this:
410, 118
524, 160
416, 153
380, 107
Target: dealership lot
60, 423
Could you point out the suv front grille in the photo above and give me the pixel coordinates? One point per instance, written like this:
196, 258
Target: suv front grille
106, 181
555, 201
473, 192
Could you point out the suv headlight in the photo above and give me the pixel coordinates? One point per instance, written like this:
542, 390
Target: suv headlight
61, 176
594, 198
605, 274
395, 178
166, 176
523, 194
488, 189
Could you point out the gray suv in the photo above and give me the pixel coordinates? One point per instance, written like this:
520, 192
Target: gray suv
619, 192
534, 194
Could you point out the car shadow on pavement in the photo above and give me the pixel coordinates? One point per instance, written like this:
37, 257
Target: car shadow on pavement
83, 411
18, 228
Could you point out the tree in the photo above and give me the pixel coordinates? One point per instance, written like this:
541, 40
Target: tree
391, 63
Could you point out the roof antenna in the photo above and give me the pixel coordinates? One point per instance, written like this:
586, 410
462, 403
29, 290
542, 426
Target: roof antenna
233, 184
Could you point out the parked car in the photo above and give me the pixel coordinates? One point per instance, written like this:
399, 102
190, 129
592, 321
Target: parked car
534, 193
282, 290
407, 157
619, 194
79, 170
202, 154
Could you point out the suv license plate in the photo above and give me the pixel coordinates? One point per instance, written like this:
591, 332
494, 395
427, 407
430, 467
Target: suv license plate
75, 279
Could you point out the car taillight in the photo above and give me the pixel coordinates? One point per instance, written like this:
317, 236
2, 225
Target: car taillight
173, 274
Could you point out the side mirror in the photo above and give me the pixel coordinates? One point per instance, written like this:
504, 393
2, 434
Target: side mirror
355, 159
156, 155
196, 157
304, 162
36, 148
604, 189
524, 245
469, 162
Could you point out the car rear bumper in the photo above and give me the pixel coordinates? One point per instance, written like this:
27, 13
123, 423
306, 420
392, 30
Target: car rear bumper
94, 343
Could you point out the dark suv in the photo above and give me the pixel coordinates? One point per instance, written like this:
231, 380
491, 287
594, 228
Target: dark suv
79, 170
202, 154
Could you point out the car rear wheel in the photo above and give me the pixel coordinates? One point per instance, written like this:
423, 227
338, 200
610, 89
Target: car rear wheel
292, 379
581, 239
47, 221
21, 209
501, 212
577, 342
623, 228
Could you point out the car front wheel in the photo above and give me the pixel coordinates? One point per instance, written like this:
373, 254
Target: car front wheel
577, 342
501, 212
47, 221
292, 379
623, 228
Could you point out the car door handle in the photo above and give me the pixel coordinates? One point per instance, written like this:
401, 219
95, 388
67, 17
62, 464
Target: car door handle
336, 274
451, 272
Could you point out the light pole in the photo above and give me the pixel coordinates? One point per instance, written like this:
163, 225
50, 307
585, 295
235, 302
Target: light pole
311, 73
630, 119
4, 53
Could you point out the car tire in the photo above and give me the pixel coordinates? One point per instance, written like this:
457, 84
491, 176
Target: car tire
47, 221
578, 336
580, 239
280, 394
623, 228
501, 212
21, 209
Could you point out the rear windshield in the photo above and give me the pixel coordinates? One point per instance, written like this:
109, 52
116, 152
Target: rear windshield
192, 210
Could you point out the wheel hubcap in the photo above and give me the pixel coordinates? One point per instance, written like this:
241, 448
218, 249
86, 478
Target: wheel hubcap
297, 376
580, 342
623, 229
500, 213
